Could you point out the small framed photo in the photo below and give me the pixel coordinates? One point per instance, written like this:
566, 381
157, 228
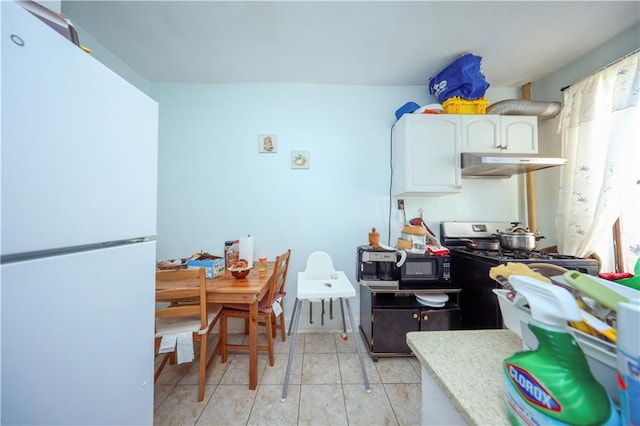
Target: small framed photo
300, 159
267, 144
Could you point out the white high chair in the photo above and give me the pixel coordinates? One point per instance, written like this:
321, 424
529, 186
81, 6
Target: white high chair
319, 281
319, 267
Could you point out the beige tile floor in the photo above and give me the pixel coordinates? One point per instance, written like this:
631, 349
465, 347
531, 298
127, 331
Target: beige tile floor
325, 388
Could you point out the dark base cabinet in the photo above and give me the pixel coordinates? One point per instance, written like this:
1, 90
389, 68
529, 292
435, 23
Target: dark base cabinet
386, 316
480, 309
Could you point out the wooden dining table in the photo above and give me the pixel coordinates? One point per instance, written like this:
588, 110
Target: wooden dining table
250, 290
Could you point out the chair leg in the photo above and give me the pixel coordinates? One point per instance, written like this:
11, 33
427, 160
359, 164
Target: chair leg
344, 324
357, 342
270, 339
223, 337
203, 366
294, 321
280, 323
161, 367
293, 314
214, 354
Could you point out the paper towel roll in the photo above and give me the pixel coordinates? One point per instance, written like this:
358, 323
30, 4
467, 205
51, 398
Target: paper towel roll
246, 249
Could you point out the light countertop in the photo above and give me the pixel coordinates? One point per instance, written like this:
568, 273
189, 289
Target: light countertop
467, 366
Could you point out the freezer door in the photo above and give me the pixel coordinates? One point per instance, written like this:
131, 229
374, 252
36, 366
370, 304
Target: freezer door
77, 338
79, 144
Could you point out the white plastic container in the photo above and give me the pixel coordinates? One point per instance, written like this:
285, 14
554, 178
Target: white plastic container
601, 355
628, 344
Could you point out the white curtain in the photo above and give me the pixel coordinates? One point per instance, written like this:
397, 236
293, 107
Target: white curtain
599, 126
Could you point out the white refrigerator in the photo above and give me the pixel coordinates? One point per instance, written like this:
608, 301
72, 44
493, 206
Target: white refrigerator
78, 225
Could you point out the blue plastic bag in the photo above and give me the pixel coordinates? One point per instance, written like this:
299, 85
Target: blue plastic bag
463, 78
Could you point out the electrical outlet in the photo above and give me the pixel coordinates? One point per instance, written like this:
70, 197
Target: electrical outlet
400, 204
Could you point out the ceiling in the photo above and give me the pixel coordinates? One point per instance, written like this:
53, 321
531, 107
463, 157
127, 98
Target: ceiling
347, 42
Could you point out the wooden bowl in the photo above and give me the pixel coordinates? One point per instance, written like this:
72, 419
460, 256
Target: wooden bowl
240, 273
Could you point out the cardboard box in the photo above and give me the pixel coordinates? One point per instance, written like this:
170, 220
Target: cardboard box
214, 267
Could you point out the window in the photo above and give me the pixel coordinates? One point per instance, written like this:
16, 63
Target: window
627, 233
599, 126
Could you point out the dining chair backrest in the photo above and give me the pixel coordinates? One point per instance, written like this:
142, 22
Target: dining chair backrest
319, 266
182, 285
283, 268
182, 310
279, 276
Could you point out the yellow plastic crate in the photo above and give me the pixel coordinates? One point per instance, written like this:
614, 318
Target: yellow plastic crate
457, 105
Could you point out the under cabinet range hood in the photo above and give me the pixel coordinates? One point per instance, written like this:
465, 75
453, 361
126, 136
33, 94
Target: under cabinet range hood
493, 165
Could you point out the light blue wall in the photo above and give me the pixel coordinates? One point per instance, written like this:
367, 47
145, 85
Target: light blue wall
214, 185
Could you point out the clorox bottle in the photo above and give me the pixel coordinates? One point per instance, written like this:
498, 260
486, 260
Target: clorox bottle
553, 383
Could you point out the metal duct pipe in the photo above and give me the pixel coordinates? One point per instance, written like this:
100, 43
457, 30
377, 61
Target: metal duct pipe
544, 110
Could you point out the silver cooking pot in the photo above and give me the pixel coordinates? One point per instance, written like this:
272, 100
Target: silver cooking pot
518, 238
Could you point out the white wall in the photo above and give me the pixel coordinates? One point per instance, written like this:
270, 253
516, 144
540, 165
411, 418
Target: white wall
215, 186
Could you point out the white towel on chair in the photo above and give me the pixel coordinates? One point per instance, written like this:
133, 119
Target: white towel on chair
181, 343
168, 343
185, 347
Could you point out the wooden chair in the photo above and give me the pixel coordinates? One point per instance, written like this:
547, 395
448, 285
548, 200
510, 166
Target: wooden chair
265, 312
278, 322
184, 294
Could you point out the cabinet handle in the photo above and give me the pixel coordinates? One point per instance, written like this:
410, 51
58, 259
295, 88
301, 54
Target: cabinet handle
425, 318
415, 316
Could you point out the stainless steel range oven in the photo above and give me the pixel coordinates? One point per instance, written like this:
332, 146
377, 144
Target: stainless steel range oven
470, 268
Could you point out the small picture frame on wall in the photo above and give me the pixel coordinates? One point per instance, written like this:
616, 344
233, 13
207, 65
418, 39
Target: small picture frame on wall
267, 144
300, 159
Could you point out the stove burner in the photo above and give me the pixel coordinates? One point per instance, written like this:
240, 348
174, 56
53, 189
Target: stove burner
506, 255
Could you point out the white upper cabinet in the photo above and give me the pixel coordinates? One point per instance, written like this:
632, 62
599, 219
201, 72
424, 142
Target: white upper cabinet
519, 133
481, 133
426, 148
425, 153
499, 133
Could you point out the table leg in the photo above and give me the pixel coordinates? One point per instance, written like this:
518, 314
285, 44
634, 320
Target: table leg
253, 345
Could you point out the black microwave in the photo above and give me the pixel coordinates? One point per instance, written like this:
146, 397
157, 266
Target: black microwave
425, 271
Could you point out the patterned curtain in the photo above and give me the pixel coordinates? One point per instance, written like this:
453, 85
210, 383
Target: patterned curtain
600, 133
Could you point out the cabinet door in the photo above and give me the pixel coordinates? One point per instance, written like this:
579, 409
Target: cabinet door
480, 133
440, 319
519, 134
390, 328
426, 154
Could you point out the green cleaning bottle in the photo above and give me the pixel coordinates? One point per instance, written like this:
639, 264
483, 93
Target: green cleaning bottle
553, 383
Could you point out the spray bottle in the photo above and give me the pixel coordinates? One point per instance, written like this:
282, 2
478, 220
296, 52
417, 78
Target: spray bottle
553, 383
